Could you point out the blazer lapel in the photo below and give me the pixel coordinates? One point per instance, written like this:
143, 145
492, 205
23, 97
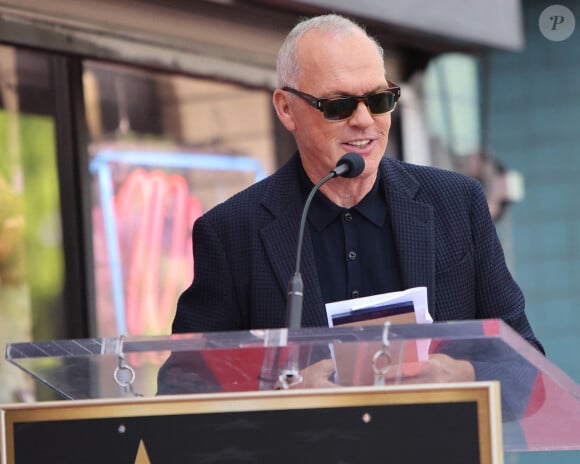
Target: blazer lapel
280, 239
412, 223
414, 230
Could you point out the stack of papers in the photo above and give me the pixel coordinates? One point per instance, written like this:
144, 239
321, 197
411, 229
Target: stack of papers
353, 361
404, 307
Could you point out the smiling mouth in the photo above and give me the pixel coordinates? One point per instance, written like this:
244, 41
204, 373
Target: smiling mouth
359, 143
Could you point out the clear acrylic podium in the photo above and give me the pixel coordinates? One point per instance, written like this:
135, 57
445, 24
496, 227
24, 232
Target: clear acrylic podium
540, 404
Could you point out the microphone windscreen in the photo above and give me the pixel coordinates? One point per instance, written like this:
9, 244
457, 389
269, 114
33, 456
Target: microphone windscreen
355, 163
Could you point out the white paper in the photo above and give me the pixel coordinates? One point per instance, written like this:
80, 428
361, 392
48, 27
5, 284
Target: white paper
416, 295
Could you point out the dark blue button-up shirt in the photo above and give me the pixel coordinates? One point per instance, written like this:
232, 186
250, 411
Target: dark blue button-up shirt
354, 248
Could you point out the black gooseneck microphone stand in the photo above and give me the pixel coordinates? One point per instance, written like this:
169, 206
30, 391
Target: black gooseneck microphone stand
349, 165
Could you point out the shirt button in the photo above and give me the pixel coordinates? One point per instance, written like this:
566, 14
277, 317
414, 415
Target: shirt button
352, 255
355, 293
347, 217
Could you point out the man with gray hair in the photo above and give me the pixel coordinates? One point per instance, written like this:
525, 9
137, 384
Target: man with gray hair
394, 226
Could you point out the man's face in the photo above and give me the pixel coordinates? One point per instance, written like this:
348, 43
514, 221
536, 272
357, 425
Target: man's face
333, 67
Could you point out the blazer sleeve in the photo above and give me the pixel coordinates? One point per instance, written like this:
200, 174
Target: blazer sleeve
497, 293
209, 304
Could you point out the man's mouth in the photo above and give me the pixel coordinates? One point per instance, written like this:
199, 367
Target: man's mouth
359, 143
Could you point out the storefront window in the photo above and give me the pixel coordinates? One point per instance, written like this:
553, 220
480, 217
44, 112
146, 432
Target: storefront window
163, 150
31, 251
452, 103
456, 121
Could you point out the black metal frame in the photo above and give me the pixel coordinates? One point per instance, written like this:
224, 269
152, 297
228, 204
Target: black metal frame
72, 157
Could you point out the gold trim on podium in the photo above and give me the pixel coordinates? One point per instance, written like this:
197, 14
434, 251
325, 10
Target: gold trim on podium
485, 394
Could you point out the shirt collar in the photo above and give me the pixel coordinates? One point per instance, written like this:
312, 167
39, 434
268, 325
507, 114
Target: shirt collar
322, 211
374, 206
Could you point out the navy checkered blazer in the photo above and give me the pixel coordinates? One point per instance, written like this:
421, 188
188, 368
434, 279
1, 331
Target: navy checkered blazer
245, 251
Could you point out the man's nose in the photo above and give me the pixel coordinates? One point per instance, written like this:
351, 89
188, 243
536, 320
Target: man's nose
362, 114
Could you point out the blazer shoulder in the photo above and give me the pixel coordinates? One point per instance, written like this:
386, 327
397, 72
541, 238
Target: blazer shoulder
429, 179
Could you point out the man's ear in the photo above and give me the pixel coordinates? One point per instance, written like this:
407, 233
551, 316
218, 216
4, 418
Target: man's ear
281, 102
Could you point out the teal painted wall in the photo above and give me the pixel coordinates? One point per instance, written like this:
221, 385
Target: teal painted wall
534, 128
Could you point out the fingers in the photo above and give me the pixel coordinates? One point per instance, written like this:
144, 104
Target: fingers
317, 375
439, 368
314, 376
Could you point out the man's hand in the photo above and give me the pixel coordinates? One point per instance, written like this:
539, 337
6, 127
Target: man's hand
315, 376
439, 368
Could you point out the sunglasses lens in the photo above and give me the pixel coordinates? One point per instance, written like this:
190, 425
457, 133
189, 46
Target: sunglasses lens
343, 108
381, 102
339, 108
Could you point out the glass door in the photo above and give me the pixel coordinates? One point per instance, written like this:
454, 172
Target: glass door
163, 150
31, 246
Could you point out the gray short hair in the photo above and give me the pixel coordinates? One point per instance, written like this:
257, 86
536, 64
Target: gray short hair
287, 65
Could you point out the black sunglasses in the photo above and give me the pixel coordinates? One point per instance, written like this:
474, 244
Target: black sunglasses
338, 108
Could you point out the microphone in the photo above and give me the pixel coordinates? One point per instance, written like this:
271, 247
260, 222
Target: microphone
349, 165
